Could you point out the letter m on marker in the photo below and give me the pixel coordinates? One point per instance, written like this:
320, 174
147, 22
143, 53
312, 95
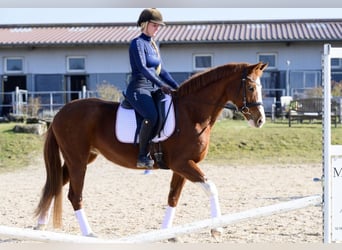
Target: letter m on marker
337, 173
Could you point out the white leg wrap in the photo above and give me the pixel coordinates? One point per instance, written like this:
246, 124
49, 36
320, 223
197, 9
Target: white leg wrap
168, 218
83, 222
211, 190
215, 209
44, 218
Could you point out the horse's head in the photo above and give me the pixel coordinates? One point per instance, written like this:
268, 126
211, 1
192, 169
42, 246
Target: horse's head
235, 83
250, 97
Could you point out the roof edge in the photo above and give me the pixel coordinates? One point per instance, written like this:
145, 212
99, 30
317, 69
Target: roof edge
99, 24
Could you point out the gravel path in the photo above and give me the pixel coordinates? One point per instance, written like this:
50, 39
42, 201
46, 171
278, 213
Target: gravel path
121, 202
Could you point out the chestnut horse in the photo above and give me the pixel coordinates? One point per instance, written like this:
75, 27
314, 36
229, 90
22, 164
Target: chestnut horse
84, 128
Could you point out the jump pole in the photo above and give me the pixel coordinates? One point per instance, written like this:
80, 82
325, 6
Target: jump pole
164, 234
44, 236
332, 159
224, 220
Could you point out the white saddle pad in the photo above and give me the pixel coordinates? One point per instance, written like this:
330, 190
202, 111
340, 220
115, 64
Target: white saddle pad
126, 124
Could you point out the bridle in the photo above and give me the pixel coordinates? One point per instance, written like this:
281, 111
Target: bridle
246, 105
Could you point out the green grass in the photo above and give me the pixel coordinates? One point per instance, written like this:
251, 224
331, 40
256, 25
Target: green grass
232, 143
17, 150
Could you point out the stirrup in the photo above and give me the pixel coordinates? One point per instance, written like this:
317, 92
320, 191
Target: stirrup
145, 162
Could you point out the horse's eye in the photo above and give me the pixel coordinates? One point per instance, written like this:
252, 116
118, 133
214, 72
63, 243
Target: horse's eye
251, 88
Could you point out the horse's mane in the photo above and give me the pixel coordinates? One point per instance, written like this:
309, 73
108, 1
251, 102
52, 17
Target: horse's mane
205, 78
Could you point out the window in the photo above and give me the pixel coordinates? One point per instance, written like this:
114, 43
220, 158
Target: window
14, 65
202, 61
301, 80
76, 64
270, 58
336, 63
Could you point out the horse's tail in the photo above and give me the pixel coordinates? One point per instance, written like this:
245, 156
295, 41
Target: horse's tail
54, 180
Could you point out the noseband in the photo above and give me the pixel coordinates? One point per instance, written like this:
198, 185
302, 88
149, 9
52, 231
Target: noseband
246, 105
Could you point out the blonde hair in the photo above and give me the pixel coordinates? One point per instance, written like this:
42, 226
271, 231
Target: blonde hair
143, 25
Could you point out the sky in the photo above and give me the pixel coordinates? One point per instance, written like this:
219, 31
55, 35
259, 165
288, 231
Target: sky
96, 15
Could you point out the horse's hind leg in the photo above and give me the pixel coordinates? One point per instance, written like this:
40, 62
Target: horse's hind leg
176, 186
75, 197
44, 218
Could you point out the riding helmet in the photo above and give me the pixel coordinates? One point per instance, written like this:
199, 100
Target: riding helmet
150, 15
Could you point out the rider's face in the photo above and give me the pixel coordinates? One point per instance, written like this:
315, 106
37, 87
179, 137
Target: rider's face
151, 29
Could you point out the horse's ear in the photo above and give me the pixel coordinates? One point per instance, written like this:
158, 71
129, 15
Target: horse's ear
261, 66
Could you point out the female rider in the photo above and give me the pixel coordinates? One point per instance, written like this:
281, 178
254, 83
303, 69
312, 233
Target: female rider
148, 74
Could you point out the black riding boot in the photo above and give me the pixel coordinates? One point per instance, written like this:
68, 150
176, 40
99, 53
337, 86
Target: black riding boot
144, 159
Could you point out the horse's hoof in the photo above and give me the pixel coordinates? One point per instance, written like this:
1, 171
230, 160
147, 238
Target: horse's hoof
41, 227
174, 240
217, 233
92, 235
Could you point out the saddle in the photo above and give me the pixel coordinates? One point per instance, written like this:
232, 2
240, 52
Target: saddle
128, 124
128, 121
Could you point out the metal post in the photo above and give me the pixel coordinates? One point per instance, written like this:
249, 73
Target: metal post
326, 146
51, 103
84, 92
17, 100
288, 62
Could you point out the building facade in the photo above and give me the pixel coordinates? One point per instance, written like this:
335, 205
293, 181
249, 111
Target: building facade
70, 57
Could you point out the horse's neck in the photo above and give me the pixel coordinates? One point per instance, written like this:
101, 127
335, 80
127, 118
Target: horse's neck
205, 105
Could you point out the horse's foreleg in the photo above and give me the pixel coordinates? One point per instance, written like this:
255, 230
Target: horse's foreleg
210, 189
176, 186
169, 216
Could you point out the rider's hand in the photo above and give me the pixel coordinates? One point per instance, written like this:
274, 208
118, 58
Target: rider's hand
166, 90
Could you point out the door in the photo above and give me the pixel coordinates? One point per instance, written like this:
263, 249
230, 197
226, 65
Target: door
75, 84
9, 85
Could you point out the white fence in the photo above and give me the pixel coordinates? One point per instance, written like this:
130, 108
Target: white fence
21, 102
164, 234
